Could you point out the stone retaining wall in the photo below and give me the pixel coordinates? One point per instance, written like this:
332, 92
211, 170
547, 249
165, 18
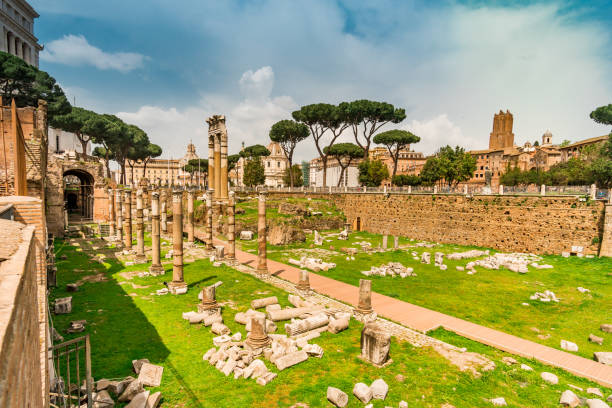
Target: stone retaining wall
536, 224
20, 369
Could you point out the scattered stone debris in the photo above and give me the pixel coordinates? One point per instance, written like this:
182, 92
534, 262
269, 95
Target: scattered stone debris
391, 269
568, 345
337, 397
546, 296
499, 402
313, 264
63, 305
474, 253
595, 339
550, 378
516, 262
246, 235
569, 399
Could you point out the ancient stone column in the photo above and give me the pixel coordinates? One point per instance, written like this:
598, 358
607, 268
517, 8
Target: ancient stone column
375, 344
223, 177
384, 241
127, 213
262, 265
156, 266
365, 297
231, 227
217, 183
258, 336
118, 213
164, 211
209, 300
111, 215
178, 285
395, 242
140, 254
211, 162
209, 220
304, 281
190, 238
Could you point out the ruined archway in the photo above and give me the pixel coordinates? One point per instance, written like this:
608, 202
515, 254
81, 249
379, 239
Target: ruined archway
78, 194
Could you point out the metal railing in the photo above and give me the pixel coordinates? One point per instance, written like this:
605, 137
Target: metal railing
71, 362
588, 191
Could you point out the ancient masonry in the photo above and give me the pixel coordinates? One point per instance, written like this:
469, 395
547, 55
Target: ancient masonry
217, 157
542, 225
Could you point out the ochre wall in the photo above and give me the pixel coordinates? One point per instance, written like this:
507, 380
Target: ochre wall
20, 367
542, 225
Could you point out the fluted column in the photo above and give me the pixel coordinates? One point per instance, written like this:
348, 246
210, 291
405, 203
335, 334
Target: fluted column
140, 254
231, 227
211, 161
223, 177
127, 215
119, 214
209, 219
177, 286
365, 297
164, 210
111, 215
190, 227
156, 266
217, 186
262, 264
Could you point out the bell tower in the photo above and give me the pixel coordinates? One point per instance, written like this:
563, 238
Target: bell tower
502, 137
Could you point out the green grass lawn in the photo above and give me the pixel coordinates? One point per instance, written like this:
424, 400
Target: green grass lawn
492, 298
127, 323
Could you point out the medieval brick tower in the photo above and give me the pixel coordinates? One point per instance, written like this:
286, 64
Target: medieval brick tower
501, 137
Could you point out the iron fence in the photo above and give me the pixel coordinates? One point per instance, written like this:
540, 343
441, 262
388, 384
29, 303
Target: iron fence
71, 380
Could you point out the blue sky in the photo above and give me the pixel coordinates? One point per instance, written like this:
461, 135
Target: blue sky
166, 66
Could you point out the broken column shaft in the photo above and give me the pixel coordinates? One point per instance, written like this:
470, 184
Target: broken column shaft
164, 210
177, 286
111, 215
156, 266
365, 297
119, 215
127, 212
231, 227
209, 220
140, 254
190, 238
262, 265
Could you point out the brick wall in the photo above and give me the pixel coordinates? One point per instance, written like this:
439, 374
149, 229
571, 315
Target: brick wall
30, 211
549, 224
20, 369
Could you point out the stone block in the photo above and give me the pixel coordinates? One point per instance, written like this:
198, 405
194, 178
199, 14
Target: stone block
291, 359
151, 375
375, 344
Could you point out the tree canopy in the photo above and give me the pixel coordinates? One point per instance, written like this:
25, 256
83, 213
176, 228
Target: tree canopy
27, 84
602, 115
369, 116
288, 134
344, 153
451, 166
295, 174
372, 173
256, 150
320, 119
254, 172
81, 122
395, 140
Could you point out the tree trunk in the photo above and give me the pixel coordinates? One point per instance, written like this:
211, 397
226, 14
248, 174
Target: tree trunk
122, 179
395, 160
107, 165
84, 145
290, 171
324, 161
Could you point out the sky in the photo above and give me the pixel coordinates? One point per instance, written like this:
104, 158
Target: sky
166, 66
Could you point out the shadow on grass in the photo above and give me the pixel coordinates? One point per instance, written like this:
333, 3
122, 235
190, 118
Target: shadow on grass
118, 335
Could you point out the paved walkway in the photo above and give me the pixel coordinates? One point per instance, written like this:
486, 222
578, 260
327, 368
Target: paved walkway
422, 319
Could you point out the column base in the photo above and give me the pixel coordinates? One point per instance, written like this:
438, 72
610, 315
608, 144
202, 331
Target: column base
140, 258
303, 288
177, 288
262, 272
157, 270
257, 343
209, 309
364, 316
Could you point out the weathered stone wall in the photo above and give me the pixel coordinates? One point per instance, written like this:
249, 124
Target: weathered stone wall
543, 225
30, 211
21, 384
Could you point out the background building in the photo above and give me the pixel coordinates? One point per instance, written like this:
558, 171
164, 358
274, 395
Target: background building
17, 20
274, 167
166, 171
63, 142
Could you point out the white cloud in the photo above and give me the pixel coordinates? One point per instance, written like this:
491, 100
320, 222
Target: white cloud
258, 84
75, 50
248, 119
439, 131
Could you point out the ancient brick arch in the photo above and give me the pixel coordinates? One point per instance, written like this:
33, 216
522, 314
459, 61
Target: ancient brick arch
75, 183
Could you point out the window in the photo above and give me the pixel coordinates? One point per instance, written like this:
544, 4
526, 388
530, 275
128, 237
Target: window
268, 164
277, 164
